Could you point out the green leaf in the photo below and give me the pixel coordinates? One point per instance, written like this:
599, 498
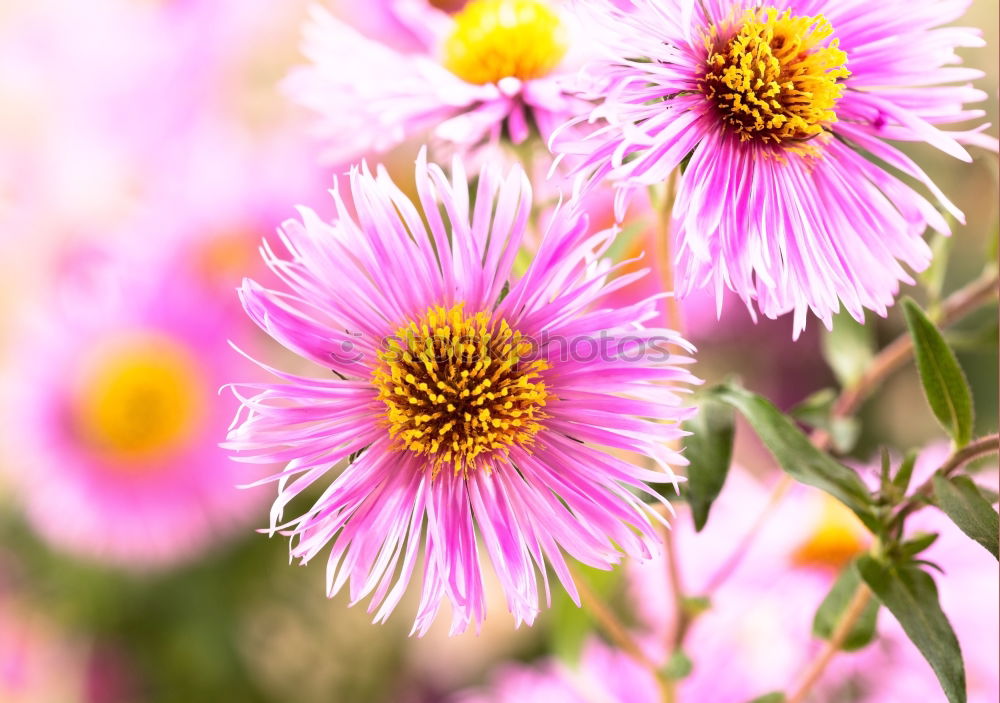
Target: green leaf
910, 594
831, 610
902, 479
776, 697
848, 348
944, 383
798, 457
961, 500
678, 666
815, 409
933, 276
992, 497
815, 412
709, 448
912, 547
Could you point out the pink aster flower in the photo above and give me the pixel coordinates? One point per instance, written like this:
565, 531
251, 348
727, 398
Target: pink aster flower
112, 413
780, 117
496, 68
603, 675
457, 400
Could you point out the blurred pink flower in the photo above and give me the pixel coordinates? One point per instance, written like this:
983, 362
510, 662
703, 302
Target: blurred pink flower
113, 414
498, 68
771, 597
780, 199
38, 664
603, 675
437, 452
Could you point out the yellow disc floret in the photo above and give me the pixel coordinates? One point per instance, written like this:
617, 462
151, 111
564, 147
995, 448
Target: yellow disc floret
777, 79
496, 39
139, 398
458, 388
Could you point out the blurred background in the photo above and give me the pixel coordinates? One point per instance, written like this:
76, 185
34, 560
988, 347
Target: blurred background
145, 150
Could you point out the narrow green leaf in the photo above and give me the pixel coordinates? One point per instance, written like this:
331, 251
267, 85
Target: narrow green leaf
902, 479
815, 412
884, 475
910, 594
709, 448
798, 457
944, 383
992, 497
833, 606
961, 500
848, 348
815, 409
912, 547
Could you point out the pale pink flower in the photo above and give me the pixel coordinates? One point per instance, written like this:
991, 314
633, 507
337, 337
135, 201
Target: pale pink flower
496, 69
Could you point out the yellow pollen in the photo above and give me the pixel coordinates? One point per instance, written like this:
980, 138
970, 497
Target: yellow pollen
778, 78
458, 389
495, 39
837, 538
139, 398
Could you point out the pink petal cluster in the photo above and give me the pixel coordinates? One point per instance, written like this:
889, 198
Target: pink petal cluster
164, 508
370, 96
837, 224
352, 283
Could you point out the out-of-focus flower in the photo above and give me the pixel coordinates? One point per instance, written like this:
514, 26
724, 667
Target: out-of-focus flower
772, 594
463, 400
31, 652
497, 68
776, 114
113, 414
603, 675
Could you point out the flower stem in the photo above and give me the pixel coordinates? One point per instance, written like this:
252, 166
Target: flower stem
983, 446
664, 254
892, 357
682, 618
609, 622
815, 670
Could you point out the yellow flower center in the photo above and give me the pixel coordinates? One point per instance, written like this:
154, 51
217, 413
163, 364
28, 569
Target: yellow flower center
495, 39
458, 387
778, 78
837, 538
140, 397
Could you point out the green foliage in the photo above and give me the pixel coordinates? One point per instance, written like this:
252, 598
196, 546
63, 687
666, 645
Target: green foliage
569, 624
901, 481
961, 500
798, 457
816, 411
910, 594
709, 448
776, 697
944, 383
912, 547
678, 666
831, 610
848, 348
933, 276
